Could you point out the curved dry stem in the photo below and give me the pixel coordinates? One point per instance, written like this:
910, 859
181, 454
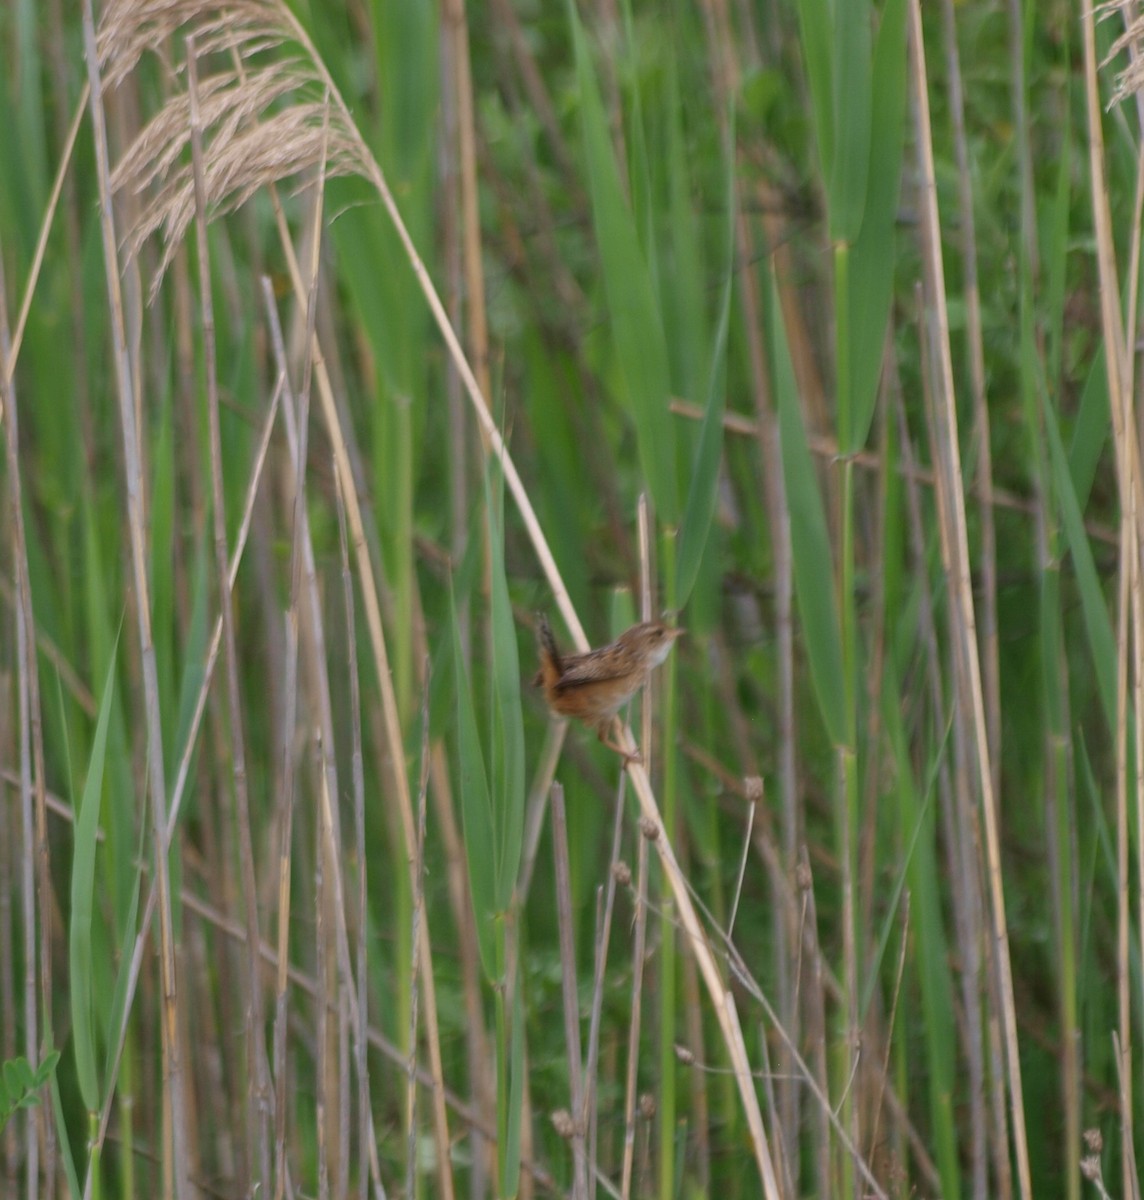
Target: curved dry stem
239, 162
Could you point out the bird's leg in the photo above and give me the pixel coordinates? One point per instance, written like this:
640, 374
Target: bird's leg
628, 756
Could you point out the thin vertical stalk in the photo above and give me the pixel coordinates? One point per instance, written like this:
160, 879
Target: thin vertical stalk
17, 334
357, 772
587, 1118
790, 804
666, 1098
286, 776
183, 774
9, 1137
477, 324
570, 992
390, 715
958, 833
414, 950
322, 983
726, 72
35, 881
955, 555
1129, 483
263, 1100
125, 388
988, 567
314, 642
847, 754
452, 270
636, 1013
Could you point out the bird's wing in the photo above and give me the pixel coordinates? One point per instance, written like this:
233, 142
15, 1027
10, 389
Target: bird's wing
588, 669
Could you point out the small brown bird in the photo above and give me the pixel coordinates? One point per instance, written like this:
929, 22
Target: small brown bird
593, 687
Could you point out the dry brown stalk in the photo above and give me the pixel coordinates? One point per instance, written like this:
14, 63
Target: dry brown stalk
955, 557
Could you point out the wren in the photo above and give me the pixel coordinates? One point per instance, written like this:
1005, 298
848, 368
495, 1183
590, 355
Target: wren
593, 687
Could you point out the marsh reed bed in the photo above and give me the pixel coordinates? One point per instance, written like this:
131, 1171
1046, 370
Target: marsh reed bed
338, 341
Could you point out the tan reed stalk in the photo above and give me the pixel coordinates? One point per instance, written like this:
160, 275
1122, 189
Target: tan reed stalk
414, 949
589, 1116
262, 1100
570, 992
636, 1011
726, 71
1131, 625
36, 893
361, 1061
124, 379
313, 640
183, 772
955, 555
476, 323
344, 474
983, 489
42, 241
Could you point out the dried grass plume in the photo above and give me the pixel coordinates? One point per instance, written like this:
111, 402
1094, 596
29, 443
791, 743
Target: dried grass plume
264, 99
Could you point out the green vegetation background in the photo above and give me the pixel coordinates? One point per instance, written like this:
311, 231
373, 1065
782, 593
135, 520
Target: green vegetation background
696, 268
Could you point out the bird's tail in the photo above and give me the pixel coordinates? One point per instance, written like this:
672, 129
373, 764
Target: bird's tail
551, 667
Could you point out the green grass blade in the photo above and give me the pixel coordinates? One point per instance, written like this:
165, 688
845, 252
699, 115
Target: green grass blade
683, 285
64, 1141
82, 906
850, 167
872, 257
1090, 430
703, 492
644, 200
637, 326
810, 542
476, 808
931, 962
815, 24
125, 936
1098, 626
1057, 238
507, 776
510, 1161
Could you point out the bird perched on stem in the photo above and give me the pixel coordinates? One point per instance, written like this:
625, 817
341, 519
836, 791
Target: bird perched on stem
593, 687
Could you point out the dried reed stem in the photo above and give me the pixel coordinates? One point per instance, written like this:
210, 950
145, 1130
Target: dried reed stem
35, 890
263, 1100
125, 388
569, 990
955, 556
